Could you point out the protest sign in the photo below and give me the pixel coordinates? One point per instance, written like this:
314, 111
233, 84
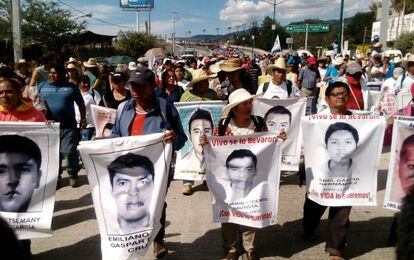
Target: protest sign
128, 179
286, 114
244, 179
341, 158
400, 172
197, 118
103, 119
29, 156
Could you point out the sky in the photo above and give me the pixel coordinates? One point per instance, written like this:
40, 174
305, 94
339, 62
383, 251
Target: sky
199, 15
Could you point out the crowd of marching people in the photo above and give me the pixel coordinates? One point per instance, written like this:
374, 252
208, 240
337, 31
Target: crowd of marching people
144, 95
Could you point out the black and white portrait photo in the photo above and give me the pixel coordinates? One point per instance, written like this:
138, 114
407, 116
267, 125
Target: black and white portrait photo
132, 181
20, 162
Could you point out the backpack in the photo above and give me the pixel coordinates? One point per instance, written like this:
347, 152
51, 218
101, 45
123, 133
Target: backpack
288, 86
224, 123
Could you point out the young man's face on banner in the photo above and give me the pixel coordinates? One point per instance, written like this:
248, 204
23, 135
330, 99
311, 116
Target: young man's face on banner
19, 176
199, 127
241, 172
132, 191
276, 122
406, 168
340, 146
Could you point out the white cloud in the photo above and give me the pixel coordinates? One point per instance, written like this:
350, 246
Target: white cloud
238, 12
101, 11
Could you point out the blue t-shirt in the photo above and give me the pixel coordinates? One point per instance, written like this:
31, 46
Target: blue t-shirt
390, 71
333, 72
60, 101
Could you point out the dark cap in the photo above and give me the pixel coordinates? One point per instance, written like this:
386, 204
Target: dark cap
339, 82
141, 76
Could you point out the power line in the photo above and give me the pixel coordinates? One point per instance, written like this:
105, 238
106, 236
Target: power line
97, 19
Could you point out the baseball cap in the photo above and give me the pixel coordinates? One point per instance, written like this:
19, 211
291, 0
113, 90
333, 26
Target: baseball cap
339, 82
311, 60
141, 76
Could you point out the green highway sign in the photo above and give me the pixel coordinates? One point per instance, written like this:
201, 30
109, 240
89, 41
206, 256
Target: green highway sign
318, 28
311, 28
296, 28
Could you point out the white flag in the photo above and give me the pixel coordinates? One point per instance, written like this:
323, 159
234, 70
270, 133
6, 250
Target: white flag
276, 45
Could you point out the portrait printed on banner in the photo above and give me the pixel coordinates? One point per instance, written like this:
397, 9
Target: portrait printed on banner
278, 118
200, 123
341, 143
20, 172
132, 183
241, 173
403, 179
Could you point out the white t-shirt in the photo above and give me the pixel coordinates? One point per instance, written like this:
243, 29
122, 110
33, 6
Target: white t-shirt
89, 100
274, 91
408, 81
183, 83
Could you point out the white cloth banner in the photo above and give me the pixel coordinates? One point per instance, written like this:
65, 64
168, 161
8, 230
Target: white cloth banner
243, 175
29, 156
276, 45
197, 118
400, 170
128, 178
103, 120
342, 154
286, 114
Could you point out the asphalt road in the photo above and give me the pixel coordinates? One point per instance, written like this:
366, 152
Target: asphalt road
192, 235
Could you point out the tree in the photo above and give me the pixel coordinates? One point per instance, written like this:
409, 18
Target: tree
43, 24
405, 42
134, 44
398, 6
354, 31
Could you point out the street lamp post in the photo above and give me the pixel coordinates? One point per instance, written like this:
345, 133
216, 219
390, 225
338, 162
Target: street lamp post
217, 29
229, 28
340, 31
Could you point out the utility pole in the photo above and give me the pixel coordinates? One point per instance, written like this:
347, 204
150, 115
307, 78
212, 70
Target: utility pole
341, 29
217, 29
173, 36
229, 28
363, 41
137, 21
204, 35
189, 38
149, 20
306, 36
385, 13
17, 35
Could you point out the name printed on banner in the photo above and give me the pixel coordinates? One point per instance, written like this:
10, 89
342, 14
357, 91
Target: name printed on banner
332, 195
134, 242
23, 223
247, 140
318, 116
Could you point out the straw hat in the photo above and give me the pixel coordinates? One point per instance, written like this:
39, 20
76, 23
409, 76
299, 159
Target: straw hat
198, 76
91, 63
132, 66
279, 64
237, 97
397, 60
21, 62
410, 58
231, 65
71, 66
338, 61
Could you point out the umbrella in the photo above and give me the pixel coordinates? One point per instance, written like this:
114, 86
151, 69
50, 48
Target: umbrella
120, 59
156, 52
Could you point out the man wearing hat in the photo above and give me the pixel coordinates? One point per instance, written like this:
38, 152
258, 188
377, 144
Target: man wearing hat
360, 98
95, 76
198, 88
307, 79
146, 114
335, 70
23, 70
278, 87
406, 80
376, 49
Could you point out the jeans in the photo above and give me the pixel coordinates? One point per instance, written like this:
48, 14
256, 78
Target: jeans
69, 140
87, 133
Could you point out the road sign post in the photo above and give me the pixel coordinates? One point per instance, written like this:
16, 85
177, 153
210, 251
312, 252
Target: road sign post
307, 28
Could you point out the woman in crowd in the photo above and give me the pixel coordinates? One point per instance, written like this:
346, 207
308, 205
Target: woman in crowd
23, 71
73, 72
118, 92
169, 90
238, 120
